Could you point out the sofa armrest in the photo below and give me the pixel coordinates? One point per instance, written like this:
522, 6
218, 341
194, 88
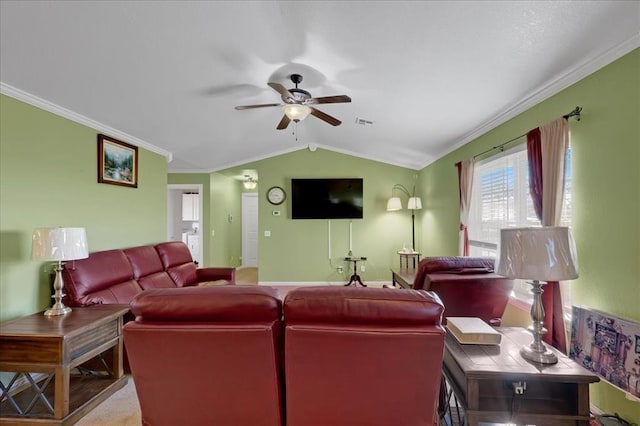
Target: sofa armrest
215, 274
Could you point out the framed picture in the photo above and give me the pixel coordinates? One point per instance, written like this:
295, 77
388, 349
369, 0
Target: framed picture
117, 162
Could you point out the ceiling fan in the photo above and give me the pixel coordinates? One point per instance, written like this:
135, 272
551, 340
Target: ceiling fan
298, 104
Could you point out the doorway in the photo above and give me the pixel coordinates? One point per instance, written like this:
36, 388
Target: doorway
249, 230
184, 217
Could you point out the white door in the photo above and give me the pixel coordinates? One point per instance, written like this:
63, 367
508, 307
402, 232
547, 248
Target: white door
250, 229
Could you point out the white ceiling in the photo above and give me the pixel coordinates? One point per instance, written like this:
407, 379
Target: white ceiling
430, 75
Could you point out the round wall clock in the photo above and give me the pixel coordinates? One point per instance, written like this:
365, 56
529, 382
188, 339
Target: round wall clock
276, 195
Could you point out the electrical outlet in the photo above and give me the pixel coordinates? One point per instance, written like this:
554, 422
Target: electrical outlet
340, 269
362, 268
519, 387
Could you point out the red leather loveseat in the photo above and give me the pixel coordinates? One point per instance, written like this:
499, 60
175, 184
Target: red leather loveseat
467, 286
117, 276
348, 356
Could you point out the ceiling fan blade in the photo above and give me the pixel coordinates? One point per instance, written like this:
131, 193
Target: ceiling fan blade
325, 117
330, 99
280, 89
256, 106
284, 122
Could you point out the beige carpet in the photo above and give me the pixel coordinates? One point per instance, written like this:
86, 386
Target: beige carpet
247, 276
121, 409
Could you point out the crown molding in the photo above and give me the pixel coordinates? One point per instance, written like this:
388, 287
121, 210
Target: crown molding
572, 76
43, 104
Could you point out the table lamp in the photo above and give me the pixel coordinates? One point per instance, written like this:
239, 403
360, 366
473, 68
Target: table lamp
59, 244
539, 254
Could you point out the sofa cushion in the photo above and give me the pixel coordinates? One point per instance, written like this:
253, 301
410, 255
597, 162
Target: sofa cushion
174, 253
144, 260
460, 263
454, 264
103, 277
362, 306
178, 263
147, 268
206, 304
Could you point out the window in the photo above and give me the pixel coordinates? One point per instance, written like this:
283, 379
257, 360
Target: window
500, 199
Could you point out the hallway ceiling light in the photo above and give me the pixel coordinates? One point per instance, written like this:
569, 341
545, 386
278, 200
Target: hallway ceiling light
250, 183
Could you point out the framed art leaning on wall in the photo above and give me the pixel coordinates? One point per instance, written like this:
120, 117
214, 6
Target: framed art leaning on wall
117, 162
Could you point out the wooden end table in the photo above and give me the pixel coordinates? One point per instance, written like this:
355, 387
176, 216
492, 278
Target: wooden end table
53, 346
403, 277
495, 384
405, 256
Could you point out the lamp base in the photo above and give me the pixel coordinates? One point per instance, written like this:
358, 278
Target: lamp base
57, 310
537, 351
534, 355
58, 307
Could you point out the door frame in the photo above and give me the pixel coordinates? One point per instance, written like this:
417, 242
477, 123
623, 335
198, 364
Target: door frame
197, 187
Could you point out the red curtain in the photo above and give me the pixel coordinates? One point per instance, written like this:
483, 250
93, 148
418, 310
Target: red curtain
463, 226
534, 155
551, 300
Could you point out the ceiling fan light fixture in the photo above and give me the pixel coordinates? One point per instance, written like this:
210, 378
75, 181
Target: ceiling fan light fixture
296, 112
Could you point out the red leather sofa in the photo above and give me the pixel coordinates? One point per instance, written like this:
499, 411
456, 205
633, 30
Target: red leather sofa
117, 276
348, 356
207, 356
467, 286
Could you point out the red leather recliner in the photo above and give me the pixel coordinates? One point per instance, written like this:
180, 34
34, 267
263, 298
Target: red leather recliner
467, 286
207, 355
362, 356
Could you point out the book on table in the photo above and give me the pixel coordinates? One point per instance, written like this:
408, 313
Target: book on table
473, 331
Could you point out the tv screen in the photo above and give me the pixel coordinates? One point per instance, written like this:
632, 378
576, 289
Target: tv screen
339, 198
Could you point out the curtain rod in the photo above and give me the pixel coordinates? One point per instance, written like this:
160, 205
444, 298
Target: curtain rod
575, 113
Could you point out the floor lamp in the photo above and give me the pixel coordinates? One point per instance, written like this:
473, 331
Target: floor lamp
414, 203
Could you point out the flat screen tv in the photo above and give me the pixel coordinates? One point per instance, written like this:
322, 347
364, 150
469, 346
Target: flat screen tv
332, 198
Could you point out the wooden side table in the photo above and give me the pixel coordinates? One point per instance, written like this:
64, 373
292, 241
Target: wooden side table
403, 277
495, 384
355, 278
405, 256
53, 346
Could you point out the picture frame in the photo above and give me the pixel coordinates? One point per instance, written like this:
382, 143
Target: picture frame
117, 162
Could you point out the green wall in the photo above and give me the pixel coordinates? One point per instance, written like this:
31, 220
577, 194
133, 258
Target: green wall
606, 195
298, 250
227, 220
48, 178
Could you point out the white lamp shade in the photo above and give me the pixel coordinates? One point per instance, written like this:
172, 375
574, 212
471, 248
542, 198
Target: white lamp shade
250, 184
544, 254
415, 203
394, 204
59, 244
296, 112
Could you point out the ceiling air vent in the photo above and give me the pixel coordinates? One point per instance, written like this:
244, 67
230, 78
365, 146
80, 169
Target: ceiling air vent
363, 122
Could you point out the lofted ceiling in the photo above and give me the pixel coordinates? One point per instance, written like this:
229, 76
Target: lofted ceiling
429, 76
